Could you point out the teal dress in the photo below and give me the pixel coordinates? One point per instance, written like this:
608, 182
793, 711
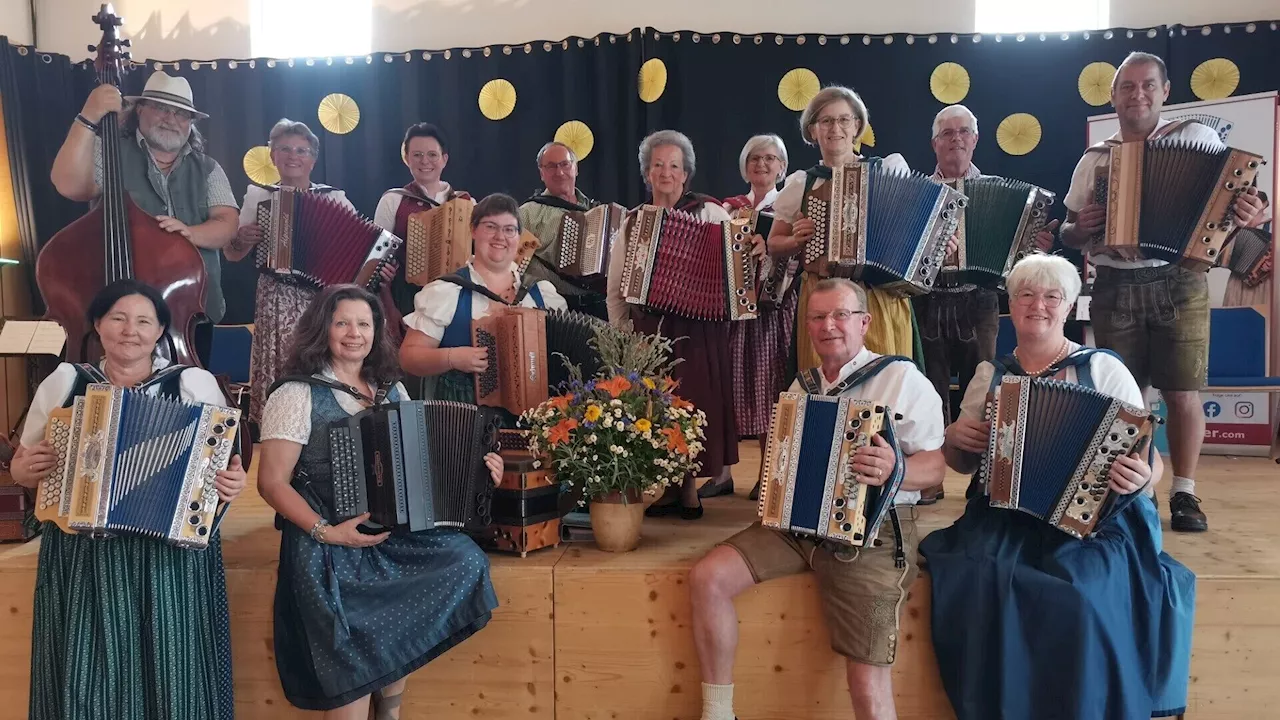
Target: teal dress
129, 627
351, 621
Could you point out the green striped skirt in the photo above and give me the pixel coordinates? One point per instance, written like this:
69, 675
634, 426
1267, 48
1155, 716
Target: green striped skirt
129, 627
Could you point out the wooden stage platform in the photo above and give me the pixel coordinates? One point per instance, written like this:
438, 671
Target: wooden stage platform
583, 634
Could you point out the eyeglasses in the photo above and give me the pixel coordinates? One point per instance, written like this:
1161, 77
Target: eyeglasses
1025, 298
826, 123
563, 165
290, 150
837, 315
162, 110
949, 133
431, 155
766, 159
493, 227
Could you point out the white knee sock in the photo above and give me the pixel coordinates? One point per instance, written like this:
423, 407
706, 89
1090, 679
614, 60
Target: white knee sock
1182, 484
717, 702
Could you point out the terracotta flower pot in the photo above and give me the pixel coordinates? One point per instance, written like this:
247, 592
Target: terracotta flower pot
617, 525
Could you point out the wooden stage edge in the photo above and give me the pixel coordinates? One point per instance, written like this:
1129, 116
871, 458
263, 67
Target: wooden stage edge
583, 634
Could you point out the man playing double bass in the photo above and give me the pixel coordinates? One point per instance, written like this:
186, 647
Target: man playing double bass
164, 169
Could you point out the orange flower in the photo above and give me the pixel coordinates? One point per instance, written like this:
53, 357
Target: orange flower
560, 431
561, 402
679, 402
615, 386
668, 384
675, 439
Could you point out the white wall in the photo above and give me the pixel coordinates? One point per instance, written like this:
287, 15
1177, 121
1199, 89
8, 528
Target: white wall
15, 21
206, 29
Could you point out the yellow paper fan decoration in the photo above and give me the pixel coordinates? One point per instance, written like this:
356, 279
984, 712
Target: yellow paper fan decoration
652, 80
949, 82
1215, 79
1095, 83
497, 99
868, 138
1018, 134
577, 136
797, 88
338, 113
258, 166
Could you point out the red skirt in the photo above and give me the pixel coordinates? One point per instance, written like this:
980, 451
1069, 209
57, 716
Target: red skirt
760, 349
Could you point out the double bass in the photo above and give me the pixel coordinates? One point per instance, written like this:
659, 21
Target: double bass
117, 240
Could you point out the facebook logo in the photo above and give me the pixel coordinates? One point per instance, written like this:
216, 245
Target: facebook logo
1212, 409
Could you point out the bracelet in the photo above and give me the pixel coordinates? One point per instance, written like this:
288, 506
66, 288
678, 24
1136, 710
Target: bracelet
80, 118
317, 531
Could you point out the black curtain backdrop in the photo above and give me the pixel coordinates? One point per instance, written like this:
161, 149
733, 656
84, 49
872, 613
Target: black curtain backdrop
720, 89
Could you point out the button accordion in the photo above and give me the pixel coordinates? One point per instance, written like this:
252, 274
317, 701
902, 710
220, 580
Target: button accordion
526, 504
516, 376
771, 272
584, 239
886, 228
414, 465
999, 223
1171, 200
131, 463
315, 238
1052, 446
1251, 256
808, 485
437, 241
678, 264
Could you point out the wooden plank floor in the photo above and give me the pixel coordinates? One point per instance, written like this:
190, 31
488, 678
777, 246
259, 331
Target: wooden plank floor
587, 634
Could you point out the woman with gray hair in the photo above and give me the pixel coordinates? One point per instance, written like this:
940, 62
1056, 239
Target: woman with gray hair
834, 121
279, 303
667, 164
1115, 608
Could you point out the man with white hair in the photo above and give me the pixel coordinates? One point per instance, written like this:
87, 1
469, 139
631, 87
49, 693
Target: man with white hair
164, 169
1153, 314
958, 323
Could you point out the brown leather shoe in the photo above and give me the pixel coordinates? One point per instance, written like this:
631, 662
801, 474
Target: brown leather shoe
929, 496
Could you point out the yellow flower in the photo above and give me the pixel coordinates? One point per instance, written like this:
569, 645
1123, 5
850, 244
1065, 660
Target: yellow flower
593, 413
643, 425
648, 382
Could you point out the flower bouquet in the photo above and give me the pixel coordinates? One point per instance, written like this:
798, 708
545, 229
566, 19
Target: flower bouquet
619, 434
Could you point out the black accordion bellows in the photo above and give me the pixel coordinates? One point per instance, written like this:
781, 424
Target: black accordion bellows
569, 333
414, 465
1251, 258
1188, 175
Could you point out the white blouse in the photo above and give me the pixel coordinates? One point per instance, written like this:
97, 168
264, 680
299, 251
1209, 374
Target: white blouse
619, 314
385, 216
255, 194
194, 385
786, 207
435, 304
287, 414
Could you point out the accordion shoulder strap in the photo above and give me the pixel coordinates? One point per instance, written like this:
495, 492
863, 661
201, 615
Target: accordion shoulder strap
380, 395
406, 192
167, 378
462, 279
811, 379
1079, 359
1160, 132
558, 202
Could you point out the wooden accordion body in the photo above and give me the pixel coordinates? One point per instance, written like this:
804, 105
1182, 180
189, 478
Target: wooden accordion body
136, 464
678, 264
584, 240
886, 228
526, 504
414, 465
516, 377
1052, 446
316, 239
808, 487
437, 241
771, 272
1171, 200
998, 225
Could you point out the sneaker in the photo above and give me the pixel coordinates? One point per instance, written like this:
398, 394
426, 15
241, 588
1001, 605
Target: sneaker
1185, 514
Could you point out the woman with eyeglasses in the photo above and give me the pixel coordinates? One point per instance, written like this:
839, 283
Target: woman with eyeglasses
280, 301
834, 121
438, 339
1028, 621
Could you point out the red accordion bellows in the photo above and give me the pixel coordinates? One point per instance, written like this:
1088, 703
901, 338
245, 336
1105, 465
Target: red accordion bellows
322, 240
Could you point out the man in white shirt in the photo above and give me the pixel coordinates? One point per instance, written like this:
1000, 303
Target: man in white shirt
1153, 314
863, 589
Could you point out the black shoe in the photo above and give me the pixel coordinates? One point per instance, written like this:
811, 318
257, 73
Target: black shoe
659, 510
1185, 514
712, 489
754, 495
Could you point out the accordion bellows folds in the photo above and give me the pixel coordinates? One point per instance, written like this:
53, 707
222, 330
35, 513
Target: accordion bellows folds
1251, 257
886, 228
137, 464
585, 238
678, 264
1171, 200
516, 376
808, 486
437, 241
1052, 446
318, 239
569, 334
414, 465
999, 223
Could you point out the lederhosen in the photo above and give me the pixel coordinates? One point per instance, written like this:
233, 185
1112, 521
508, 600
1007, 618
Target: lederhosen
811, 382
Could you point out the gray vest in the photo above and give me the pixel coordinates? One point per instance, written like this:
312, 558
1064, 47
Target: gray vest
188, 193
